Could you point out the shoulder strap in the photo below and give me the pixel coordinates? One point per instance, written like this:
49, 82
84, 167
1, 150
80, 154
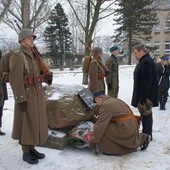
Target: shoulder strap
26, 66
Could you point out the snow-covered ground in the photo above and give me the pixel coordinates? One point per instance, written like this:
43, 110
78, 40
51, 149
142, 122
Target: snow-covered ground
156, 157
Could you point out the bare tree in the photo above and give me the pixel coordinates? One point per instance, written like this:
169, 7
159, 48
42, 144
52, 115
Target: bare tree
27, 14
4, 9
94, 13
76, 29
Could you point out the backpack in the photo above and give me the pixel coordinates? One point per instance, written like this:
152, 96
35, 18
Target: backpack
86, 66
4, 64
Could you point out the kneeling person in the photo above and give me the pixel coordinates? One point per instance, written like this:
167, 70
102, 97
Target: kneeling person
116, 132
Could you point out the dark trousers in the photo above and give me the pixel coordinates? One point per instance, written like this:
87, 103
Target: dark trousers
147, 123
162, 96
1, 113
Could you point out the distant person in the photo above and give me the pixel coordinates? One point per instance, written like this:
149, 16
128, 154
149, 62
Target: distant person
116, 131
97, 71
112, 80
145, 89
27, 72
3, 97
163, 73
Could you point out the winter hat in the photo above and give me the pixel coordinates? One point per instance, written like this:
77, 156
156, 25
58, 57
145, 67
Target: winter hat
165, 58
115, 47
97, 94
97, 50
24, 33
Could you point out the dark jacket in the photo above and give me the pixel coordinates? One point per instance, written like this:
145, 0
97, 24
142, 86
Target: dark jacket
3, 84
145, 82
163, 73
113, 66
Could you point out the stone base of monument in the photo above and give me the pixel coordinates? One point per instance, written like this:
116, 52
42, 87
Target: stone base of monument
56, 140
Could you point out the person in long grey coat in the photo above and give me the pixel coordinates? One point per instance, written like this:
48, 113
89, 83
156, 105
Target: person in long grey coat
25, 77
116, 132
96, 71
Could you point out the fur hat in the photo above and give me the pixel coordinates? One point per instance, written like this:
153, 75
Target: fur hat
115, 47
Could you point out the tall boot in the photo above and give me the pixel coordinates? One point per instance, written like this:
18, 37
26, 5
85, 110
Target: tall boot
162, 106
2, 133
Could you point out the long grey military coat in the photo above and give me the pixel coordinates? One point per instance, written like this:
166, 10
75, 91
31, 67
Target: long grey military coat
29, 127
96, 84
116, 138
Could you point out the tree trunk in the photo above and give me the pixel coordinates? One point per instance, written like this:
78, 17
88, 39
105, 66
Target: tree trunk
25, 11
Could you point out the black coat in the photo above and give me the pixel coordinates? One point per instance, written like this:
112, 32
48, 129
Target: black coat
163, 73
145, 82
4, 86
5, 93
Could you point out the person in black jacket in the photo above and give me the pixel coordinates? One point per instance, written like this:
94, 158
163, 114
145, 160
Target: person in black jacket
3, 97
163, 73
145, 89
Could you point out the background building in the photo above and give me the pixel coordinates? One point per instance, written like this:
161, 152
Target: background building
161, 31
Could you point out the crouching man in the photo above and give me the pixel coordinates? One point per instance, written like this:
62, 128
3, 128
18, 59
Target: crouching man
116, 132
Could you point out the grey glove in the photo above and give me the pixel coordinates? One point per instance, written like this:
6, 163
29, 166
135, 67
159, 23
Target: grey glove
23, 106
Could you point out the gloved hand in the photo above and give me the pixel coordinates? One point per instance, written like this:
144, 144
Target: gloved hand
23, 106
145, 108
107, 72
50, 81
109, 86
49, 78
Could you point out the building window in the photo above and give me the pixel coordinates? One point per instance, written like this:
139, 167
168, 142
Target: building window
167, 2
167, 24
157, 26
167, 47
157, 47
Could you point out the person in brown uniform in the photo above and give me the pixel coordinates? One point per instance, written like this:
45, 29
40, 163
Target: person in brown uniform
96, 71
26, 77
116, 132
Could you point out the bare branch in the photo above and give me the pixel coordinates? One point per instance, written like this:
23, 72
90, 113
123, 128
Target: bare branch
5, 10
76, 15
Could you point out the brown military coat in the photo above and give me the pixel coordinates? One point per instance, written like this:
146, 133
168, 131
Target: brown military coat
116, 138
96, 84
29, 127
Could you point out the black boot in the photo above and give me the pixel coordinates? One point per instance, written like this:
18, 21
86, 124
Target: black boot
2, 133
28, 157
146, 143
36, 154
162, 107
